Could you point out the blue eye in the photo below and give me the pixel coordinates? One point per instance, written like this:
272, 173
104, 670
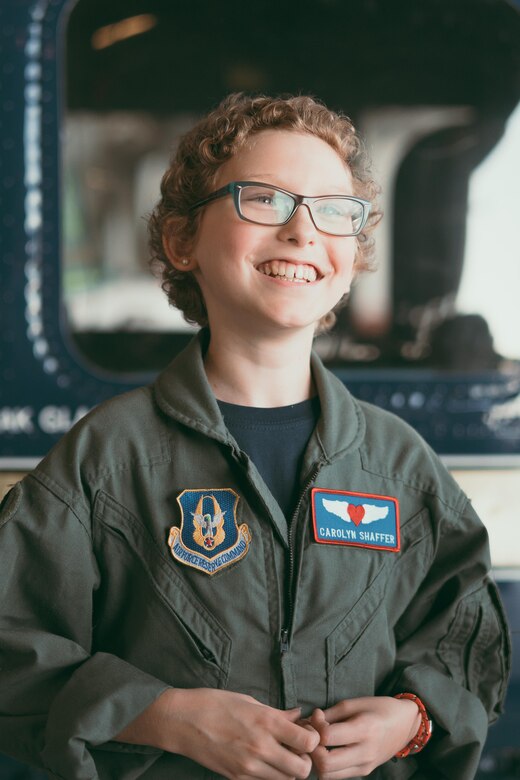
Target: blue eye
267, 200
331, 210
265, 203
259, 196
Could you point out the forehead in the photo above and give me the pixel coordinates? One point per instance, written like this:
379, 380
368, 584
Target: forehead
290, 159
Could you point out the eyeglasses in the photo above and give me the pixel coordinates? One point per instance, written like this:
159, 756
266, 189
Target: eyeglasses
263, 204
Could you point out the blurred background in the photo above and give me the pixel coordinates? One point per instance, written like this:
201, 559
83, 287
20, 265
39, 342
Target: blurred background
95, 94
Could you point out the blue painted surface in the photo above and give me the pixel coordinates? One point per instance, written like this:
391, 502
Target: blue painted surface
44, 376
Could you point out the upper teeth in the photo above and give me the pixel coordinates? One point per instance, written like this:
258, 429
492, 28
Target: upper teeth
288, 270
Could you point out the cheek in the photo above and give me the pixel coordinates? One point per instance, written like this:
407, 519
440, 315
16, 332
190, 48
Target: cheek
222, 247
346, 259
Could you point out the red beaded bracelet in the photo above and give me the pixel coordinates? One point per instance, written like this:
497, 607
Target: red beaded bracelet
424, 733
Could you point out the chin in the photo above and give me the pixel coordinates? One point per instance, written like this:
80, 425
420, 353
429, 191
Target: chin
297, 324
292, 318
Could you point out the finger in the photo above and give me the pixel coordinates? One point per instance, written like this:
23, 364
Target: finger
338, 763
334, 735
287, 764
293, 715
264, 771
300, 738
318, 717
345, 708
343, 774
305, 723
318, 722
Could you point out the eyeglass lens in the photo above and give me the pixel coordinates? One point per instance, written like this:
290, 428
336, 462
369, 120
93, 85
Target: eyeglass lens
268, 206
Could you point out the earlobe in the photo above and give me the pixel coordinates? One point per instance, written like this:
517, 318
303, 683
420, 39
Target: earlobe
175, 257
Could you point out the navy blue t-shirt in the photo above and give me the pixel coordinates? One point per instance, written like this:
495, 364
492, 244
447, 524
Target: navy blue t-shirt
275, 439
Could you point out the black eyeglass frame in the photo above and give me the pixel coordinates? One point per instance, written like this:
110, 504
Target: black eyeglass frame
235, 187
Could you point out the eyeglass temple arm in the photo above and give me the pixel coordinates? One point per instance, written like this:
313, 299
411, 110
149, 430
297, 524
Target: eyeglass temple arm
214, 196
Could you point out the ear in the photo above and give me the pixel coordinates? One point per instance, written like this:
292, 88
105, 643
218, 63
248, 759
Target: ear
176, 252
171, 248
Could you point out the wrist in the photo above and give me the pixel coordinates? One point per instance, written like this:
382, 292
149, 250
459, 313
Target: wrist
148, 728
410, 715
170, 717
423, 727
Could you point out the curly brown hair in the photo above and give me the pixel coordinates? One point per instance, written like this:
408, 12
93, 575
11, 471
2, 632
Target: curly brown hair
216, 138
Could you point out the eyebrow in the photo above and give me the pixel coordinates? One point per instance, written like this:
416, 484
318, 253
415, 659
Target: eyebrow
335, 190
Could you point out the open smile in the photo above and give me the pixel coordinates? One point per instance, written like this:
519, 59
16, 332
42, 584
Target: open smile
290, 272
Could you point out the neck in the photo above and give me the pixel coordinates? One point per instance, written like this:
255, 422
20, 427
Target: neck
262, 373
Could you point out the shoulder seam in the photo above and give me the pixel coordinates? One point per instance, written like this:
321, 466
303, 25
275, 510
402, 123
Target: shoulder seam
459, 510
163, 457
58, 492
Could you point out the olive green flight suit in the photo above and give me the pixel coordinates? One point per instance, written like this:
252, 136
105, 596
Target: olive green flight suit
98, 618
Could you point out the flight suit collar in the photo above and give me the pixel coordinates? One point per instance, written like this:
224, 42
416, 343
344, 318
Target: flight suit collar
341, 427
183, 392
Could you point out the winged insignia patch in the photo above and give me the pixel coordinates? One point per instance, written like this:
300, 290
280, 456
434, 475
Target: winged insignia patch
355, 519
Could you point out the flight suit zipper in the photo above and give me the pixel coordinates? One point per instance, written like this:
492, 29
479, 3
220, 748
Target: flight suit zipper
285, 632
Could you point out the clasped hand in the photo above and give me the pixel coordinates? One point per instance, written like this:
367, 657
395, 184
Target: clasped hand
358, 735
240, 738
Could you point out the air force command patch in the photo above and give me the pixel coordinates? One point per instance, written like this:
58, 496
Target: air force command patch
209, 538
356, 519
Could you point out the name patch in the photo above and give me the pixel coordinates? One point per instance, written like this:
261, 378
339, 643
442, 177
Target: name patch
355, 519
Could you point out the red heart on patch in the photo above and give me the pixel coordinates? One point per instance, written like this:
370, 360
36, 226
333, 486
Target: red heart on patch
356, 513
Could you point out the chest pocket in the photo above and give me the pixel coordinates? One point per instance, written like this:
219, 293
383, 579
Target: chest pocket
166, 631
361, 649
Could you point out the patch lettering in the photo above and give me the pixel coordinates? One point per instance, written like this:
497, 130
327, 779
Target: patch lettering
355, 519
209, 538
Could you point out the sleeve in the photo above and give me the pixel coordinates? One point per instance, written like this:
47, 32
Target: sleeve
58, 699
453, 648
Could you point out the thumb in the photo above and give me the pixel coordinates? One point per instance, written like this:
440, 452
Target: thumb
318, 721
318, 717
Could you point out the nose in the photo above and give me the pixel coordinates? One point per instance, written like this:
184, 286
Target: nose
300, 229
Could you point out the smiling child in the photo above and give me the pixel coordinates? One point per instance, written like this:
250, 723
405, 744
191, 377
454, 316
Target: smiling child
242, 571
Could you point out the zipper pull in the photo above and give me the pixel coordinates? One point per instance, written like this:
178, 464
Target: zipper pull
284, 641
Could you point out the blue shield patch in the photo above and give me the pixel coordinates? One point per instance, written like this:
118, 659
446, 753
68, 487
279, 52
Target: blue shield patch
355, 519
209, 538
